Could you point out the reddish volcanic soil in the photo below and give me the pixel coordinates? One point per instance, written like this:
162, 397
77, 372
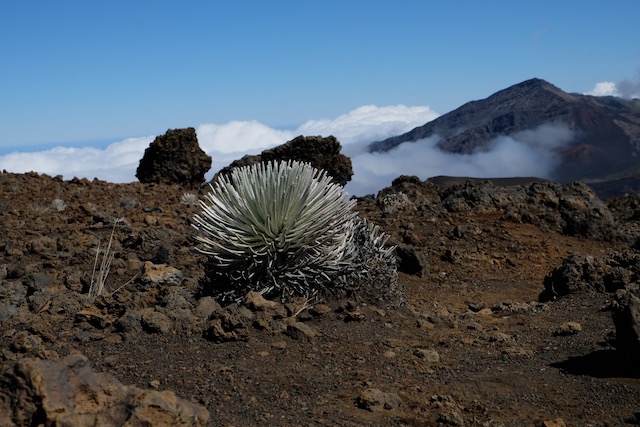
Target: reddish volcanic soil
472, 346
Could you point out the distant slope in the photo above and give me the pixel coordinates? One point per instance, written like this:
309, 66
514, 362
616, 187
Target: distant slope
607, 129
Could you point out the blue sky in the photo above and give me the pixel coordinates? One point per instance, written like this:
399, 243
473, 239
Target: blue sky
80, 71
85, 86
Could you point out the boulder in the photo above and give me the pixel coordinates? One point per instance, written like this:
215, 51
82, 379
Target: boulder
411, 260
321, 153
174, 158
374, 399
584, 273
626, 317
572, 209
578, 273
70, 393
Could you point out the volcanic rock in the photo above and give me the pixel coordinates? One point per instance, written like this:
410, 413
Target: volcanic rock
160, 274
572, 209
374, 399
568, 328
69, 392
411, 261
578, 273
174, 158
626, 318
586, 273
321, 153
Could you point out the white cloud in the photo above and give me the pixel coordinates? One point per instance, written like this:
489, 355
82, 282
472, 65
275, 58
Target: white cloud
370, 123
548, 136
116, 163
527, 153
240, 136
364, 124
224, 142
627, 88
604, 89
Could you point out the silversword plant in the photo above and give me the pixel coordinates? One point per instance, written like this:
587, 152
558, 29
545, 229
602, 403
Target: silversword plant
283, 229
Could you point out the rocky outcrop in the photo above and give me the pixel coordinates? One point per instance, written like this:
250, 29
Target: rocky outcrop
373, 399
70, 393
578, 273
410, 260
617, 273
321, 153
174, 158
572, 209
626, 317
586, 273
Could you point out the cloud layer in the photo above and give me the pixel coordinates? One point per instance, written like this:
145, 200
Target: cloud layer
369, 123
530, 153
116, 163
604, 89
224, 142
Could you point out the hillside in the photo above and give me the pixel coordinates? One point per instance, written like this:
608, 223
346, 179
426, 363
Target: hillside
475, 344
606, 130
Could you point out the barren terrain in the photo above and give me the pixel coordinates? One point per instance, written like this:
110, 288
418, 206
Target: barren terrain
473, 345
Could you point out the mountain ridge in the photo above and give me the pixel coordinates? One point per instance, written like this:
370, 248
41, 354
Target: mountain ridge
606, 129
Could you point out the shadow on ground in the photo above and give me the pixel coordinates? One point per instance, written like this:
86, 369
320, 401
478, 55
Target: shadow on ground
600, 364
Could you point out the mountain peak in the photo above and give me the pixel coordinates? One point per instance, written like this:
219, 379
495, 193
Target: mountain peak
536, 84
606, 132
506, 111
533, 90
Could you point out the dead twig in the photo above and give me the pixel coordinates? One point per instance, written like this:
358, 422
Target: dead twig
101, 266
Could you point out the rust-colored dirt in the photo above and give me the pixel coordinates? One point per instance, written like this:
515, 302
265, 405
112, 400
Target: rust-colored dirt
500, 363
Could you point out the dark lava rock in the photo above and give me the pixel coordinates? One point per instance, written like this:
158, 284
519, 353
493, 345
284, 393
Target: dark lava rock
626, 317
422, 194
578, 273
12, 295
572, 209
321, 153
226, 326
36, 282
585, 273
174, 158
411, 260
